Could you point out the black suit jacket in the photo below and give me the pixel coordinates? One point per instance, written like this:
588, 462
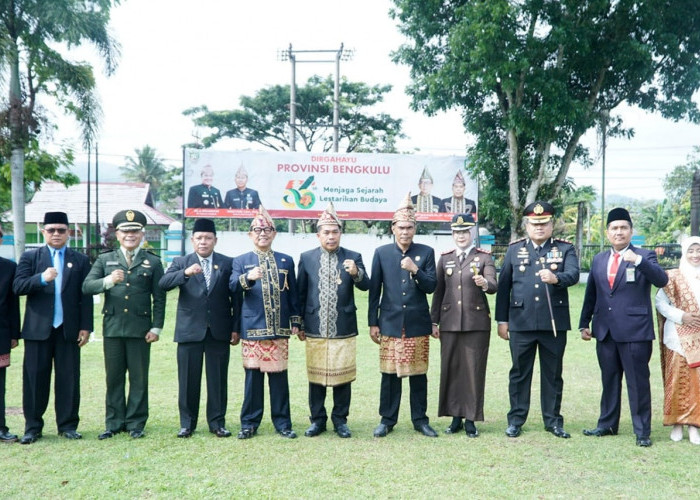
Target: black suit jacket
9, 306
398, 300
625, 311
308, 286
198, 309
38, 314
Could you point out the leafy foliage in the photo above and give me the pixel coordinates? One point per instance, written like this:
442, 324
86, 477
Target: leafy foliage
264, 118
532, 76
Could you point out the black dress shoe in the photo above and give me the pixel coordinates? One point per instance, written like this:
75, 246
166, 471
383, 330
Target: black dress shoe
30, 437
314, 430
6, 437
644, 442
107, 434
136, 433
513, 431
470, 429
558, 432
247, 433
72, 434
343, 431
455, 426
287, 433
382, 430
185, 432
221, 432
426, 430
599, 432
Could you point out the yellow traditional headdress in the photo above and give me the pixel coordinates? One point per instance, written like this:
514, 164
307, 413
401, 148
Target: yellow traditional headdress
406, 211
262, 219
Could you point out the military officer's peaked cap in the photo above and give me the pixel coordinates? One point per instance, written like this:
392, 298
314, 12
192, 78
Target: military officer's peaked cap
462, 222
539, 212
129, 220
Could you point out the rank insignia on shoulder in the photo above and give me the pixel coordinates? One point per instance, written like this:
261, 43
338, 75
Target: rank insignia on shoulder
481, 250
517, 241
447, 251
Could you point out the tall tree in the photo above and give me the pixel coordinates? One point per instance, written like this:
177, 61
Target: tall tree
532, 76
149, 168
35, 35
264, 118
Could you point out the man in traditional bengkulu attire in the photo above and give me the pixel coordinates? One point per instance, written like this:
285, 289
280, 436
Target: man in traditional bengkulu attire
269, 315
326, 280
403, 273
424, 201
457, 203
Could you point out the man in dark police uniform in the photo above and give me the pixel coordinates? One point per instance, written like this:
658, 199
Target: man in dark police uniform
242, 196
205, 195
134, 312
532, 311
205, 328
57, 323
403, 273
326, 280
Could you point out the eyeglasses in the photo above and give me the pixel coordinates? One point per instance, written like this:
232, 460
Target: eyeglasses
266, 230
59, 230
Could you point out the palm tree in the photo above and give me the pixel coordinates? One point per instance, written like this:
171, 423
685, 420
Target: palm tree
147, 167
32, 34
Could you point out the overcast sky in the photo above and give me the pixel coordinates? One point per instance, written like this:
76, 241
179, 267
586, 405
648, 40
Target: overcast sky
178, 53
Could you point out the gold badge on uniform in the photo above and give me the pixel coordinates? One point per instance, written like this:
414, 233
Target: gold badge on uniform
448, 271
522, 268
216, 266
130, 215
553, 267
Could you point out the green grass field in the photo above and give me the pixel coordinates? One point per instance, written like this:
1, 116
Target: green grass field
404, 464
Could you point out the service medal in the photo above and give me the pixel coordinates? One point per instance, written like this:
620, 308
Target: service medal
553, 267
448, 271
522, 269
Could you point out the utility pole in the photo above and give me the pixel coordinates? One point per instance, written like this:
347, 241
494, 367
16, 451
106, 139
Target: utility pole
315, 56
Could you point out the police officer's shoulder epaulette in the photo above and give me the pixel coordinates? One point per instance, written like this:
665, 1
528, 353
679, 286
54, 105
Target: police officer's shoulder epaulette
109, 250
517, 241
482, 250
563, 241
154, 254
447, 251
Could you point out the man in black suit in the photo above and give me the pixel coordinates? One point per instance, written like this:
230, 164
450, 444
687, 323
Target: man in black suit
618, 300
204, 328
532, 311
326, 281
424, 201
242, 197
403, 273
9, 333
57, 323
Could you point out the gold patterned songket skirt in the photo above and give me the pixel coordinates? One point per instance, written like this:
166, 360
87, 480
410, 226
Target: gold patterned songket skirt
331, 362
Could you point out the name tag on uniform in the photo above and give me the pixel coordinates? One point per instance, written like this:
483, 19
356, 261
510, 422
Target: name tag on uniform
112, 263
629, 274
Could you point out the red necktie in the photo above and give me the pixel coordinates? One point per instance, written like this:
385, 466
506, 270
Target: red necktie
613, 269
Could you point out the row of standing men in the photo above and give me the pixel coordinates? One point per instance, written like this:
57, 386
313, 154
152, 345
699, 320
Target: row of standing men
258, 299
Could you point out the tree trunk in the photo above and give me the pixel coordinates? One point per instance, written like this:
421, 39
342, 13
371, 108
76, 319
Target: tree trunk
17, 158
695, 205
514, 185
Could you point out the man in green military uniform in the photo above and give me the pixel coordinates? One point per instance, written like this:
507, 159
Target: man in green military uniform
134, 312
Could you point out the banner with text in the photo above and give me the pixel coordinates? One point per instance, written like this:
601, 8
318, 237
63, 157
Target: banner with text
362, 186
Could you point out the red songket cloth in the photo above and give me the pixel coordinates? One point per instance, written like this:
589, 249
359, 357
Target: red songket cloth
404, 356
268, 356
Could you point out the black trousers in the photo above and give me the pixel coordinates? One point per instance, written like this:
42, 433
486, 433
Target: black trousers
632, 359
39, 357
3, 377
191, 357
254, 399
341, 404
523, 346
390, 398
